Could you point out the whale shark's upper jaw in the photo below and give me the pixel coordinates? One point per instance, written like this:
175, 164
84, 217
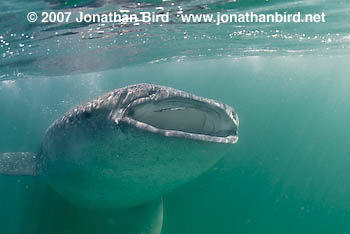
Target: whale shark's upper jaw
171, 112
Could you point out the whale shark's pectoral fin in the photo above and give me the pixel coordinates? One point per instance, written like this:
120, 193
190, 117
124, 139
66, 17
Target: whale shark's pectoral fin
150, 218
18, 163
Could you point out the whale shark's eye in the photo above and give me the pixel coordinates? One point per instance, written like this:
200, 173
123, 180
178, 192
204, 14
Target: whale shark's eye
86, 115
186, 115
151, 92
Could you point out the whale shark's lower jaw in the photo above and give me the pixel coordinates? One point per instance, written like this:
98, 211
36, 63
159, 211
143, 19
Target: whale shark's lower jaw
179, 114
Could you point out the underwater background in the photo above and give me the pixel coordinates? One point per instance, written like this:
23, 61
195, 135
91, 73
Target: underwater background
289, 83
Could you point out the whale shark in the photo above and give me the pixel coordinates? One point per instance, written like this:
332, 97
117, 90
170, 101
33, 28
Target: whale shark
128, 147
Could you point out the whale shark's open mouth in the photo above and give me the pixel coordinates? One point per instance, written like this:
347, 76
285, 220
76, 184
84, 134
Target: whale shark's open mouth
187, 117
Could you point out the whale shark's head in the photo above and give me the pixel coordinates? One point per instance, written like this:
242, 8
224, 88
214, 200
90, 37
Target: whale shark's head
133, 144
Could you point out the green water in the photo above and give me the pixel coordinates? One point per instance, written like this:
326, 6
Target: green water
289, 83
288, 172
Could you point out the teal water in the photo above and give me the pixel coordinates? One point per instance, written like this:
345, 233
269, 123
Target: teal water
289, 83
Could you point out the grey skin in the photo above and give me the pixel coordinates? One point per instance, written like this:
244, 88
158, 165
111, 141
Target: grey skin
128, 147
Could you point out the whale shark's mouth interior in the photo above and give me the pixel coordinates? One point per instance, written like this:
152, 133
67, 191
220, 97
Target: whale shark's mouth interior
185, 115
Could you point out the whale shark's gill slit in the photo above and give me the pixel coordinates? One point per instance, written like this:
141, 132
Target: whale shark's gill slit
185, 115
170, 109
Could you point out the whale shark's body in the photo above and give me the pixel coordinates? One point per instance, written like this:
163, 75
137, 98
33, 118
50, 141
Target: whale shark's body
129, 146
